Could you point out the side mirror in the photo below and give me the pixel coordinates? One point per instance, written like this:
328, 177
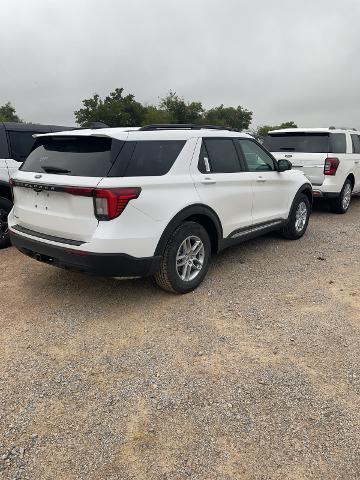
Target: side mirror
284, 165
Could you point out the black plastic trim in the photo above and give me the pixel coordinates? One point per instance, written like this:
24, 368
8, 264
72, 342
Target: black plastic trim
103, 264
331, 194
45, 236
196, 209
256, 227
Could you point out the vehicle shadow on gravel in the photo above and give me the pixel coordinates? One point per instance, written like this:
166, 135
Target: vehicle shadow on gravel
323, 207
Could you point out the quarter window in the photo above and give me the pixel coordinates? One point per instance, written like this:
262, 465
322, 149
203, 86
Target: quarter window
338, 143
20, 144
153, 158
355, 143
221, 156
256, 158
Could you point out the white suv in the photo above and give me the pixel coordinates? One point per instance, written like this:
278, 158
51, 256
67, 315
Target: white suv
329, 157
157, 201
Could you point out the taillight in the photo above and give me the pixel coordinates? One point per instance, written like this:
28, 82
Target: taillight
331, 166
81, 192
109, 203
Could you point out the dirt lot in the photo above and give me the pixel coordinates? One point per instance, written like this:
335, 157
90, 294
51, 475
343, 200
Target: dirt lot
253, 376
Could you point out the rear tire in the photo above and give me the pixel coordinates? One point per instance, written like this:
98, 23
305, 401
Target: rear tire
5, 207
341, 203
185, 261
298, 219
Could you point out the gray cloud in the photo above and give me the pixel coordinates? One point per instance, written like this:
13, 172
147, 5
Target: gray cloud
284, 60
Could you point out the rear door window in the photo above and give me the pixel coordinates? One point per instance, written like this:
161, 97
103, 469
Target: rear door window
79, 156
338, 143
21, 143
297, 142
221, 156
151, 158
355, 143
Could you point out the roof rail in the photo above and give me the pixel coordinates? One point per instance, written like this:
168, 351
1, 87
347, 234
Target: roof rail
342, 128
98, 124
181, 126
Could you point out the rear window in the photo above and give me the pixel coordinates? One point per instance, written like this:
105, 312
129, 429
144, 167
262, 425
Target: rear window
21, 144
79, 156
298, 142
147, 158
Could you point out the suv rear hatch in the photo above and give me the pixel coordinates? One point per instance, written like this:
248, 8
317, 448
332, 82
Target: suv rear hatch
53, 188
307, 151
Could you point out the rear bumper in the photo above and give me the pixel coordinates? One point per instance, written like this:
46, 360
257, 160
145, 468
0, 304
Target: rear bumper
103, 264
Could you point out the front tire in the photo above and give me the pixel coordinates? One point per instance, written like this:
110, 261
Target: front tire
341, 203
186, 259
5, 208
298, 219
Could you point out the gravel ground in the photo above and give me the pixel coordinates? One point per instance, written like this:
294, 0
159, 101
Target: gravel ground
253, 376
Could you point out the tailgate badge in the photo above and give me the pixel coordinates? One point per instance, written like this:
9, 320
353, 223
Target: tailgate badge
286, 156
38, 176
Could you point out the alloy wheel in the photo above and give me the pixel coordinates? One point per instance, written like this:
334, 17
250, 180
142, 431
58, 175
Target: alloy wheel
190, 258
301, 216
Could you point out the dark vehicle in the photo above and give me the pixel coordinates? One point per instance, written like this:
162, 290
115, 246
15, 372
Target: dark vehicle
16, 142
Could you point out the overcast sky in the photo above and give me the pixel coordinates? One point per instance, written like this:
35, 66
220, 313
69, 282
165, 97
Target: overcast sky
282, 59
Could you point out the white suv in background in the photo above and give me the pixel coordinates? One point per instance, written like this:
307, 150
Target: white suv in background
329, 157
157, 201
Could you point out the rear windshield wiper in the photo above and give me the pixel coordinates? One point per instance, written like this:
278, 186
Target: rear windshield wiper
50, 169
289, 149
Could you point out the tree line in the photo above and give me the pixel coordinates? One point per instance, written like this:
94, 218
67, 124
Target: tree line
119, 109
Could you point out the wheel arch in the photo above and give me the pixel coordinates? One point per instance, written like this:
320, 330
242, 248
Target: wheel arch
351, 177
306, 189
199, 213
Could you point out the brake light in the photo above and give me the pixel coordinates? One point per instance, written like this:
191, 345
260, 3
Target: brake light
109, 203
331, 166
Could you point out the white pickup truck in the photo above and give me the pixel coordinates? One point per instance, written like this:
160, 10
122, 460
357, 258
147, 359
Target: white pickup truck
16, 141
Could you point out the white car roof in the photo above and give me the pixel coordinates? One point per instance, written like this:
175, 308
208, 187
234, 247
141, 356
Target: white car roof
133, 133
313, 130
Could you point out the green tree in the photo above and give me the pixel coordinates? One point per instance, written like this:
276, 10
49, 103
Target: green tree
261, 132
8, 113
154, 114
179, 111
116, 110
238, 118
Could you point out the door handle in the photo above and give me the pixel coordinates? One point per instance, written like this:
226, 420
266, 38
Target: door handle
208, 181
357, 161
261, 179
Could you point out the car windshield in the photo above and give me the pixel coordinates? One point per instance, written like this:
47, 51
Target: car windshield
297, 142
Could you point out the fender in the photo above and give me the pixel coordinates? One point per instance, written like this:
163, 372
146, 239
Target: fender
307, 189
187, 212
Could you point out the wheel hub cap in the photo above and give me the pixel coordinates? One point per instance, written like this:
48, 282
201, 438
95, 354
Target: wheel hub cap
190, 258
301, 216
346, 197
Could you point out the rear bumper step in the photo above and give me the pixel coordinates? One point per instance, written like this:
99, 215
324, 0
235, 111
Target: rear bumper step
102, 264
319, 193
